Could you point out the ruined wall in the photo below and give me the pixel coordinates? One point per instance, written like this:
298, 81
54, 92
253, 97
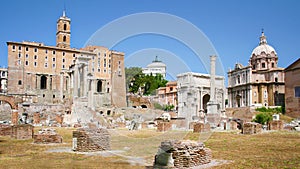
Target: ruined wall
252, 128
201, 127
85, 140
45, 136
5, 130
23, 131
275, 125
182, 154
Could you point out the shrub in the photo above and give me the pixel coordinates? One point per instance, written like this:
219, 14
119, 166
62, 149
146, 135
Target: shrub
263, 117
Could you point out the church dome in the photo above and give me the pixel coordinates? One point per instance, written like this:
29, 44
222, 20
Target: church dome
263, 47
156, 63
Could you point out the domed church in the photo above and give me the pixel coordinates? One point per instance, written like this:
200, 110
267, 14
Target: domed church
261, 83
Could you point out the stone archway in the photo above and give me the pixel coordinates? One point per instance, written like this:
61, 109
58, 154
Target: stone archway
10, 100
205, 100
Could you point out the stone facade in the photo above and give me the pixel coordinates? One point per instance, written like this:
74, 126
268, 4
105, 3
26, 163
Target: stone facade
167, 95
194, 95
261, 83
182, 154
292, 89
63, 75
46, 136
251, 128
3, 80
85, 140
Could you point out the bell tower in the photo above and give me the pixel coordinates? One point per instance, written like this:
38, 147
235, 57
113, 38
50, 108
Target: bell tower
63, 33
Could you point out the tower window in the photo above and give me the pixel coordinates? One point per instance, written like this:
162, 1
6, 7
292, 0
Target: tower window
64, 53
13, 47
63, 60
263, 65
26, 63
53, 59
53, 52
46, 51
43, 82
20, 55
35, 56
64, 39
74, 55
26, 48
53, 65
20, 82
46, 64
65, 26
20, 47
35, 49
273, 65
35, 64
26, 55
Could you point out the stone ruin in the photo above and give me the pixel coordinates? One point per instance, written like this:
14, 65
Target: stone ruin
275, 125
199, 127
182, 154
89, 140
46, 136
251, 128
20, 132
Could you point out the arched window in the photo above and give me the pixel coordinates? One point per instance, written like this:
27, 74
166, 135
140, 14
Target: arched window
64, 38
43, 82
65, 26
99, 86
20, 82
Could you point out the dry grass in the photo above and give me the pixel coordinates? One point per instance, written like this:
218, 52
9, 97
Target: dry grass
268, 150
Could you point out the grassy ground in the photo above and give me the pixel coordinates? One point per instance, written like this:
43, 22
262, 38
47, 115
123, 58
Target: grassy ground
267, 150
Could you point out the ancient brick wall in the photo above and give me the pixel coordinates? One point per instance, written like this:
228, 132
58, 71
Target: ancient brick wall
46, 136
275, 125
85, 140
23, 131
164, 126
201, 127
182, 154
5, 130
252, 128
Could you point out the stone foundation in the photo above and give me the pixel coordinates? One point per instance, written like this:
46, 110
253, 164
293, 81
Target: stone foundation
275, 125
86, 140
23, 131
182, 154
45, 136
164, 126
5, 130
252, 128
201, 127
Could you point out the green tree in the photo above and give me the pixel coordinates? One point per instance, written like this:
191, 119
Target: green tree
263, 117
131, 74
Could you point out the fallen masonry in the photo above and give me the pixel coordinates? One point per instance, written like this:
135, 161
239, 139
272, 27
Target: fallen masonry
45, 136
87, 140
182, 154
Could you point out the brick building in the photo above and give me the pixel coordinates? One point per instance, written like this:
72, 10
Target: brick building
167, 95
61, 74
261, 83
292, 89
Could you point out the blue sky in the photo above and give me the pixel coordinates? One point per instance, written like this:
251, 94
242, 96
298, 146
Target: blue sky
232, 26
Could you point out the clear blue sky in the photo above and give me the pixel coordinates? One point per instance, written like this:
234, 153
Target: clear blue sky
233, 26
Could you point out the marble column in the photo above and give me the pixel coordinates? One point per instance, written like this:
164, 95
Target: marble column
85, 84
75, 81
61, 92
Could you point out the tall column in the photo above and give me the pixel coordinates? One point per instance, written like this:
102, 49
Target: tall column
61, 86
212, 77
85, 84
75, 81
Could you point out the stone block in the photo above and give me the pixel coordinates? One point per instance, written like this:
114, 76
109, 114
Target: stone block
23, 131
252, 128
46, 136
